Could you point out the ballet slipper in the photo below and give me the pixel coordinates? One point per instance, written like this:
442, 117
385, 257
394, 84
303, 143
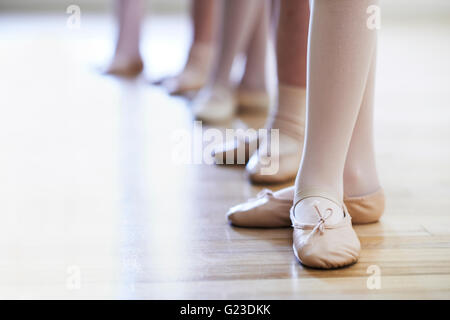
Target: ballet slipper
366, 209
268, 210
195, 73
250, 101
214, 105
125, 67
187, 81
238, 150
329, 242
265, 211
286, 160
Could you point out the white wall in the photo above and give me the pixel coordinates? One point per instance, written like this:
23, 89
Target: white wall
391, 9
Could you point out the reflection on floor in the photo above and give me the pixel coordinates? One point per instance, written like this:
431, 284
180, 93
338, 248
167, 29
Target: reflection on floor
94, 207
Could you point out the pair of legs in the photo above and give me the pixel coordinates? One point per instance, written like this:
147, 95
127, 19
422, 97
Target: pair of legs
339, 147
244, 29
127, 58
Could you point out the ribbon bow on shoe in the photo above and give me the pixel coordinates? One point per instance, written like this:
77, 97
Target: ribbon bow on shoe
320, 226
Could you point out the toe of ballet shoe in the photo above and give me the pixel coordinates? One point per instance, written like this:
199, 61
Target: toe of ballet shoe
252, 101
234, 152
265, 211
334, 248
270, 170
366, 209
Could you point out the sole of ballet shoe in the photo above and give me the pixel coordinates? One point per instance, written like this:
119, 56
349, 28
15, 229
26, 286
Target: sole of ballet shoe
324, 245
267, 211
252, 101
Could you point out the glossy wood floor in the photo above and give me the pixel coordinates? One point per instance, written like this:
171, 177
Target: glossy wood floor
92, 205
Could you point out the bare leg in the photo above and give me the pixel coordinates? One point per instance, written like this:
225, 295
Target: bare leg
254, 78
127, 59
292, 42
204, 18
201, 53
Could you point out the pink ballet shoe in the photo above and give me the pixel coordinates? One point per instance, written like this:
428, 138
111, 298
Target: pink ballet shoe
324, 244
269, 211
265, 211
366, 209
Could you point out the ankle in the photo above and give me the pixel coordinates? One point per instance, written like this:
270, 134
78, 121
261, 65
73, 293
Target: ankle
359, 182
318, 180
253, 84
200, 57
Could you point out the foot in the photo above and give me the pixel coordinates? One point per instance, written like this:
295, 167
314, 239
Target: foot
187, 81
267, 210
195, 73
284, 159
323, 236
214, 105
125, 66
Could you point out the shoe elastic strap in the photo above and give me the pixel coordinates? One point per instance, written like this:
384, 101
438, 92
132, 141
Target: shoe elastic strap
317, 192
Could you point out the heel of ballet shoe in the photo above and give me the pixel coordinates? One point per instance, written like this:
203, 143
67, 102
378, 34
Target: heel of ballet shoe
252, 101
366, 209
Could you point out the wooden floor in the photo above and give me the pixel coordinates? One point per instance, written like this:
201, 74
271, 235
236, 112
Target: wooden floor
92, 205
